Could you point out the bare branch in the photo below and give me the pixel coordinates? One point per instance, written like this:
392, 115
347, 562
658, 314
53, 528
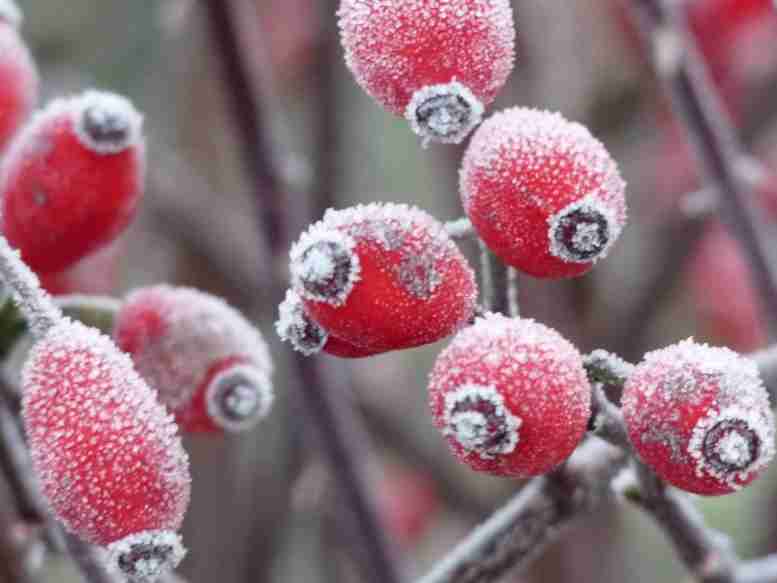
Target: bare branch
515, 535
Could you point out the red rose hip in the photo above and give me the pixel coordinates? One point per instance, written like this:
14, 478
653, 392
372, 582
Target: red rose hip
210, 365
511, 396
105, 451
383, 277
437, 62
700, 417
72, 179
542, 192
18, 76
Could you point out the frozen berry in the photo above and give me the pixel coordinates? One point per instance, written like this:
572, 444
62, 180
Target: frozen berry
18, 80
305, 335
72, 179
106, 453
383, 277
210, 365
511, 396
437, 62
700, 417
542, 192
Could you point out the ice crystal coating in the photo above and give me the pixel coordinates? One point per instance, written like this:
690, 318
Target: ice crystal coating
700, 416
19, 83
606, 367
107, 454
177, 335
145, 556
444, 113
61, 199
542, 192
413, 286
107, 123
238, 397
297, 328
324, 266
517, 393
397, 47
10, 13
476, 417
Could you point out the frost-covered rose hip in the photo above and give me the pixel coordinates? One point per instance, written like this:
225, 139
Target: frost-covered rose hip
542, 192
437, 62
18, 75
383, 277
511, 396
210, 365
305, 335
105, 451
72, 179
700, 417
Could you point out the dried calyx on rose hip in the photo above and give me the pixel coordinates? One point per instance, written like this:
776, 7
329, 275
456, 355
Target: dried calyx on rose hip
511, 396
211, 367
383, 277
305, 335
700, 417
18, 75
437, 62
543, 194
72, 178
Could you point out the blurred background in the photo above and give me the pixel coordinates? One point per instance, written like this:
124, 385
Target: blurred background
264, 505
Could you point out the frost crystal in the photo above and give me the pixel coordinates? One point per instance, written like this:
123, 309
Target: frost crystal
476, 417
297, 328
106, 123
145, 556
11, 13
239, 397
444, 113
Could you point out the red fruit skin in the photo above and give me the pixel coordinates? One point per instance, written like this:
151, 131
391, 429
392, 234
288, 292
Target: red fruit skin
724, 298
105, 451
179, 340
414, 286
61, 200
541, 380
676, 388
18, 83
342, 349
524, 166
397, 47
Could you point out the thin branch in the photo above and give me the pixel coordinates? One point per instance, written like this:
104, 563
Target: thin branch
513, 308
763, 570
516, 534
704, 551
460, 228
486, 277
678, 64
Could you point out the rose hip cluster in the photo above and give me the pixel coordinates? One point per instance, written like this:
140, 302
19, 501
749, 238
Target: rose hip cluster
103, 415
511, 396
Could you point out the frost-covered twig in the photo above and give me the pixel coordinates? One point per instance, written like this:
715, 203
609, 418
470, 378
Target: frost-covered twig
513, 308
517, 533
459, 228
677, 62
486, 277
704, 551
763, 570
